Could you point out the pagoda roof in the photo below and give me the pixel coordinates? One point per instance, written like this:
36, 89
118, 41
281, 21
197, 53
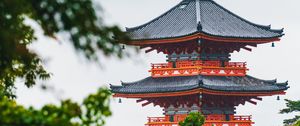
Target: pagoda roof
188, 83
205, 17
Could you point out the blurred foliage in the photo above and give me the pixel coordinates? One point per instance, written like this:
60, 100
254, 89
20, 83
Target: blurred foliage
292, 106
297, 123
78, 18
91, 112
193, 119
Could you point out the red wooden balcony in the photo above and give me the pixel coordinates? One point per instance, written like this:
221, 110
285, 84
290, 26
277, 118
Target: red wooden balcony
188, 68
210, 120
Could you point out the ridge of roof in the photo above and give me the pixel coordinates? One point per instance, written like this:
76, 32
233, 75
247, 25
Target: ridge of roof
283, 83
265, 27
198, 12
145, 24
127, 83
267, 81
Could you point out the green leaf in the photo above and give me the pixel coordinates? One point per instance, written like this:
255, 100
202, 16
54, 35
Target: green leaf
193, 119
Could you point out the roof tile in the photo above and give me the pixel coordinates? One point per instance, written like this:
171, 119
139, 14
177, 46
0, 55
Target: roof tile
215, 20
185, 83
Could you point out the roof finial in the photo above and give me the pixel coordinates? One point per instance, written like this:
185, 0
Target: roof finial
199, 26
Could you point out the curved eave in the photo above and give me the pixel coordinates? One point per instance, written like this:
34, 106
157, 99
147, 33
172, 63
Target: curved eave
198, 91
201, 35
266, 27
145, 24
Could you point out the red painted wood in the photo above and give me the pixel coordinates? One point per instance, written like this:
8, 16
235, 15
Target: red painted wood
203, 36
188, 68
211, 120
206, 46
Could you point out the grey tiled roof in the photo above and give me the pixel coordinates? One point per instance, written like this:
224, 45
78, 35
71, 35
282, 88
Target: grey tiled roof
200, 16
185, 83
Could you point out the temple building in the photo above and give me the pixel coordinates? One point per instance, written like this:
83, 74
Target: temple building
198, 38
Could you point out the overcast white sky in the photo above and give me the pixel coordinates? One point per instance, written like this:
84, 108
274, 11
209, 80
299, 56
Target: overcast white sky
75, 78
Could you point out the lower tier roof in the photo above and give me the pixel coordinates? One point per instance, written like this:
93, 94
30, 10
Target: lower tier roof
186, 83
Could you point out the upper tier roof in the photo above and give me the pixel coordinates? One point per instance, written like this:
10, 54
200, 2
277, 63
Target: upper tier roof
187, 83
201, 16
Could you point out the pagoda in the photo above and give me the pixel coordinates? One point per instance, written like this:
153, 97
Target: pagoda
198, 37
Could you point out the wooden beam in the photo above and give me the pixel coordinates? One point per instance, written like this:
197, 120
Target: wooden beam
150, 50
206, 37
159, 49
144, 46
147, 103
197, 91
253, 45
258, 98
246, 48
140, 100
252, 102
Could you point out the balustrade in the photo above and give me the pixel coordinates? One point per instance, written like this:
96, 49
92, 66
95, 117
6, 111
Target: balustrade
216, 120
188, 68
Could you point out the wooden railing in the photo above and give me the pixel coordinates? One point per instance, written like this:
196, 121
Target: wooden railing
161, 121
241, 118
188, 68
231, 117
217, 120
157, 119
